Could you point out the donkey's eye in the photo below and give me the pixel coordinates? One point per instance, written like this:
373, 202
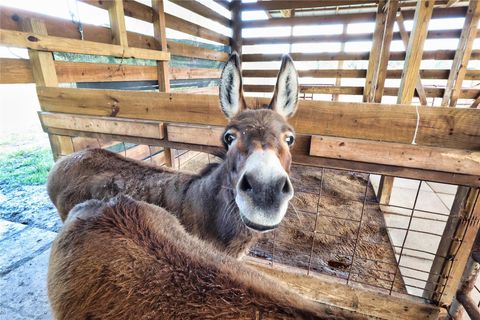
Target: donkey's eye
229, 138
290, 139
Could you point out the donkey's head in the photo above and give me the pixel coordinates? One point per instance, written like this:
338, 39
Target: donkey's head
258, 142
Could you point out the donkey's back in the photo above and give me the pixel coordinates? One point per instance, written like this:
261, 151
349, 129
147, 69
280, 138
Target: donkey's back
132, 260
101, 174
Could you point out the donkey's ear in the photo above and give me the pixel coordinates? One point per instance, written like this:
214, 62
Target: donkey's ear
285, 96
231, 92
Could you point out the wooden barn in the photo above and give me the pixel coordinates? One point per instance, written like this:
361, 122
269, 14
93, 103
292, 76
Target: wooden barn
386, 162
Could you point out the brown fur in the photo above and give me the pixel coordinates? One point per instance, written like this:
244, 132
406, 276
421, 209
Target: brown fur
132, 260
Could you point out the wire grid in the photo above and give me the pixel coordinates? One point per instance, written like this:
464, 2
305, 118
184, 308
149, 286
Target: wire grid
360, 247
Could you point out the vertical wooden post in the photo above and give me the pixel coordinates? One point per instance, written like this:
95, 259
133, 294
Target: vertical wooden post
423, 13
117, 22
236, 43
338, 80
460, 248
381, 73
373, 60
385, 189
43, 69
163, 70
462, 55
405, 38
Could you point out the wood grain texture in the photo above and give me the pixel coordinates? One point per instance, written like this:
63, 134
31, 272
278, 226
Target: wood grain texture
194, 134
31, 40
109, 125
117, 23
404, 155
327, 290
423, 13
204, 11
450, 128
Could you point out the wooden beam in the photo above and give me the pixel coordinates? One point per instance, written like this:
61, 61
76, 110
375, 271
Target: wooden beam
381, 74
204, 11
404, 155
423, 13
449, 128
10, 18
195, 134
117, 23
44, 74
405, 39
143, 12
338, 80
300, 156
279, 5
462, 56
109, 125
32, 40
330, 290
162, 67
476, 103
237, 37
374, 57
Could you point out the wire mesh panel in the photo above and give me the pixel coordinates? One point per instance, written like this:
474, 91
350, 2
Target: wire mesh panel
336, 226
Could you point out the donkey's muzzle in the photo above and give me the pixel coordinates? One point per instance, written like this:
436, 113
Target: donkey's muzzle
266, 195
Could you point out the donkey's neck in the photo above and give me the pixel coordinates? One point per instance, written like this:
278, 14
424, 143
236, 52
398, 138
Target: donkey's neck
209, 211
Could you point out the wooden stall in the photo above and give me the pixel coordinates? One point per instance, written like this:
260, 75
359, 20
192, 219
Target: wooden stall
345, 122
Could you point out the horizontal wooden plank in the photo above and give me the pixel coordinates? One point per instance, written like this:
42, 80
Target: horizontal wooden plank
142, 12
335, 56
453, 12
50, 43
400, 154
11, 18
278, 5
194, 134
329, 290
109, 125
204, 11
19, 71
432, 34
441, 127
300, 154
185, 50
358, 73
430, 92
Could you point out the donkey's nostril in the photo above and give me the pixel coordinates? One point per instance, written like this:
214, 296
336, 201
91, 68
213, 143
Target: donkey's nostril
286, 186
245, 184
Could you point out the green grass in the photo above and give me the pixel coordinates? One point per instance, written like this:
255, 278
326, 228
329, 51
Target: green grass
25, 167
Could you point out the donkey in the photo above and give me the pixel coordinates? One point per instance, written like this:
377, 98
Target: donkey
228, 204
125, 259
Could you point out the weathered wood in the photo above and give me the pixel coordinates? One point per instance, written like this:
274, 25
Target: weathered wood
455, 12
31, 40
375, 52
117, 23
335, 56
64, 145
450, 128
142, 12
460, 248
192, 134
429, 92
358, 73
381, 74
237, 37
385, 188
204, 11
404, 155
278, 5
162, 67
10, 18
329, 290
109, 125
20, 71
405, 39
462, 56
423, 13
273, 39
